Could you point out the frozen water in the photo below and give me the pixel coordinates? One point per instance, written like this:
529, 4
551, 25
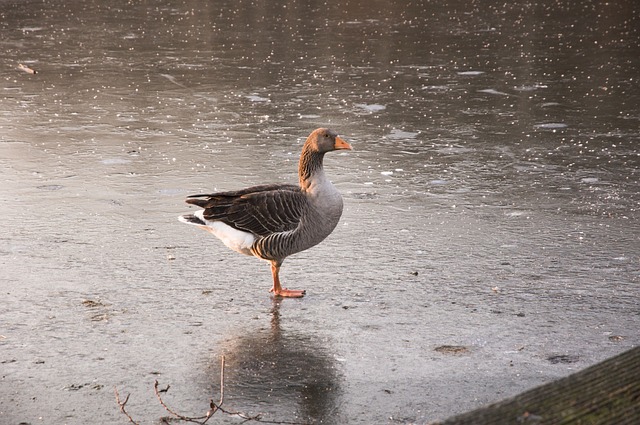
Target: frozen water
491, 204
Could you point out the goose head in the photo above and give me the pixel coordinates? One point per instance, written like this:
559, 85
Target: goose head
324, 140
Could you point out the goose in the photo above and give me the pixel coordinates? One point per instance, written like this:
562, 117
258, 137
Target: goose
274, 221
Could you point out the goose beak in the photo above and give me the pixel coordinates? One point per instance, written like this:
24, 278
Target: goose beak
341, 144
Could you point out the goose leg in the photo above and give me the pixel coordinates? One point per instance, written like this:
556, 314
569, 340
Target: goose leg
277, 289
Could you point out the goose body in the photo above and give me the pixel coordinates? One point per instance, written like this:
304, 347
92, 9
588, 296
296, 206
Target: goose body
275, 221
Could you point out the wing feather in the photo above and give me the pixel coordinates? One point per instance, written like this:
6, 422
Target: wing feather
261, 210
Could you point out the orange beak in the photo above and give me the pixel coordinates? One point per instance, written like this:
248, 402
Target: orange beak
341, 144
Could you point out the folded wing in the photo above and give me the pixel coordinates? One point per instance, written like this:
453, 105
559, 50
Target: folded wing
261, 210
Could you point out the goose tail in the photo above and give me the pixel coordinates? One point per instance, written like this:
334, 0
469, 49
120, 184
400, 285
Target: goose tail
192, 219
200, 200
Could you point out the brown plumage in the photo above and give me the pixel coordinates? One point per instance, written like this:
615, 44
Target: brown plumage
274, 221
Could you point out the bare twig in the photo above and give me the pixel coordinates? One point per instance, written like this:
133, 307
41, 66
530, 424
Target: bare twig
213, 407
244, 416
177, 415
221, 381
122, 405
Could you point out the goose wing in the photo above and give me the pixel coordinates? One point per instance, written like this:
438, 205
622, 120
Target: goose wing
261, 210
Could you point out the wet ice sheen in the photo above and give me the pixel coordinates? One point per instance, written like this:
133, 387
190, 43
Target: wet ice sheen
494, 148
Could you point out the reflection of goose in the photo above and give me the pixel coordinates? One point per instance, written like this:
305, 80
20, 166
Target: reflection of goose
284, 375
277, 220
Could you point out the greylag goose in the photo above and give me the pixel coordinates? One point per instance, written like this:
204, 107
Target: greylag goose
275, 221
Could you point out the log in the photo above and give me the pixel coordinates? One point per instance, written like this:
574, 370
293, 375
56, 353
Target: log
606, 393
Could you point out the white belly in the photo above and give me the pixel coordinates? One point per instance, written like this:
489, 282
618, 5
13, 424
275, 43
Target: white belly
235, 239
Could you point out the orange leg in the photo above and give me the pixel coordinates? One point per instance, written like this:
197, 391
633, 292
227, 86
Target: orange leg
277, 289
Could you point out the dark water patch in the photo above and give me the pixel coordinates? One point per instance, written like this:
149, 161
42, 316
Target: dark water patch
50, 187
563, 359
455, 350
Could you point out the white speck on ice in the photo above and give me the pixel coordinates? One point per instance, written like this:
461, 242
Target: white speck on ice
371, 107
400, 134
551, 125
255, 98
493, 91
470, 73
590, 180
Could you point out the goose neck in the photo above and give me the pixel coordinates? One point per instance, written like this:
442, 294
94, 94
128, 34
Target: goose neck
310, 167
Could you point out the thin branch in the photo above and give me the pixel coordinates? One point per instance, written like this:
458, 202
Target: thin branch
243, 415
213, 407
122, 405
177, 415
221, 381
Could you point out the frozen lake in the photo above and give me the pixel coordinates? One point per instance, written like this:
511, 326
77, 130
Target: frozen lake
490, 239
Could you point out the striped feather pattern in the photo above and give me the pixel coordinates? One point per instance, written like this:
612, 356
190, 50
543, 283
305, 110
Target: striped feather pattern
261, 210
